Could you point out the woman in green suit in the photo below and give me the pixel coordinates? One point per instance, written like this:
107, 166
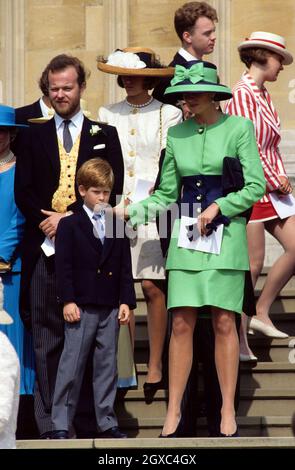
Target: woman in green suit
192, 167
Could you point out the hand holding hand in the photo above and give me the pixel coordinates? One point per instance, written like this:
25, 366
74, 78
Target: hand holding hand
121, 212
49, 225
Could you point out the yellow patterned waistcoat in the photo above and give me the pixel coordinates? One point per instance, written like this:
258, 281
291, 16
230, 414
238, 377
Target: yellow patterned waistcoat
65, 193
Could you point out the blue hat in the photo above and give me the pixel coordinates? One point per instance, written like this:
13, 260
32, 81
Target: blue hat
7, 117
198, 77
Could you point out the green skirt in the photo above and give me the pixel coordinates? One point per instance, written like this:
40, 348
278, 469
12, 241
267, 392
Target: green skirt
223, 288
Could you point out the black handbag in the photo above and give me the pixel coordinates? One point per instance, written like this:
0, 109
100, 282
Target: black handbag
232, 180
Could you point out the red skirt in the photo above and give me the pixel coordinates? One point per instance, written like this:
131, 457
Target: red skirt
263, 211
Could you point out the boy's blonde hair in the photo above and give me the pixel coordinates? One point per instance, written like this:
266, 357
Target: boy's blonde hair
96, 173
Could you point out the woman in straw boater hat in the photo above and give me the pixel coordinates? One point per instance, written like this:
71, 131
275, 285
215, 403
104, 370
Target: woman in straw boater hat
264, 55
142, 123
9, 383
11, 231
192, 168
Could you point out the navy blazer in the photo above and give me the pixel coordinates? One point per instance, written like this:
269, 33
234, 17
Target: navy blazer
89, 272
37, 178
29, 111
21, 117
159, 90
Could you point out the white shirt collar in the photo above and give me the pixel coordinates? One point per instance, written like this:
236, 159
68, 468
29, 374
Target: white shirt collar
44, 108
76, 120
90, 214
186, 55
75, 126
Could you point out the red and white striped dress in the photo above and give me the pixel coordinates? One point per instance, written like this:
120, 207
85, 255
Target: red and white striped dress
255, 104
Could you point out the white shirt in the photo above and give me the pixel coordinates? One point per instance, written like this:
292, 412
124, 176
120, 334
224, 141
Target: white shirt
91, 213
186, 55
45, 109
75, 125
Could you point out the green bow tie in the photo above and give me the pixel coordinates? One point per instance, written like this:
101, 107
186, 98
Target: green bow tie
194, 74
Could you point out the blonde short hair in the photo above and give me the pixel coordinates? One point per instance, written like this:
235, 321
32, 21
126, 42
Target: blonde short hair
95, 173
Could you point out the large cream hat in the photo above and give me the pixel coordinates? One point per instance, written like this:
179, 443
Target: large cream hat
270, 41
139, 61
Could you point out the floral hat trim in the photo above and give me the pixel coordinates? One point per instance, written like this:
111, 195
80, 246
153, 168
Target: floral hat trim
134, 61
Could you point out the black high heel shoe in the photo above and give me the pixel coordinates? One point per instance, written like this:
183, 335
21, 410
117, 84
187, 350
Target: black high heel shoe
176, 433
150, 389
173, 434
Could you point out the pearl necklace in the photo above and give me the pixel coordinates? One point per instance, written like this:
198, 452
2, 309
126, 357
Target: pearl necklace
140, 105
5, 160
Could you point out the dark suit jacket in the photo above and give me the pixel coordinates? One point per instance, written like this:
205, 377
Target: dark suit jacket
21, 117
28, 112
37, 178
89, 273
159, 90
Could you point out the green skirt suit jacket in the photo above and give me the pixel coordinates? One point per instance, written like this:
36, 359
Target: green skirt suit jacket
197, 278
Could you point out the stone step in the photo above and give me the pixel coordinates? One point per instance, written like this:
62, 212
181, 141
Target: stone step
268, 375
261, 375
253, 402
248, 426
272, 350
259, 402
147, 443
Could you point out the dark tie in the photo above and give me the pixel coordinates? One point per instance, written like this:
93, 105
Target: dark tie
67, 138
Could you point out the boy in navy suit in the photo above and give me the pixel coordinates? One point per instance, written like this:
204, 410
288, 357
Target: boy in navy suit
95, 285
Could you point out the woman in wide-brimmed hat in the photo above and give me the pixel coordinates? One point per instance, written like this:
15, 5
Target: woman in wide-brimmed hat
142, 123
192, 168
264, 55
11, 231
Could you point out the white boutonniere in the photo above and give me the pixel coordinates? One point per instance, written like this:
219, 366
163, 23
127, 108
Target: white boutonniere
95, 129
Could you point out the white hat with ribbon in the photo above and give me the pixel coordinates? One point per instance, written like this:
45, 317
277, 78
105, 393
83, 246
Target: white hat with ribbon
270, 41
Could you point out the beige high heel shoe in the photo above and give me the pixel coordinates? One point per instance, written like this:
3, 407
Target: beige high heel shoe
267, 330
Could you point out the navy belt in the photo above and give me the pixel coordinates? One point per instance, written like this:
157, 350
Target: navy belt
199, 191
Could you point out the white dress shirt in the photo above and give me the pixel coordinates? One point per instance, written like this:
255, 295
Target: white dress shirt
75, 125
91, 213
45, 110
186, 55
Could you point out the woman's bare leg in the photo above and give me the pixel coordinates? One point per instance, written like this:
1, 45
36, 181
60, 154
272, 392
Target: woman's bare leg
227, 364
157, 326
256, 248
282, 270
180, 363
